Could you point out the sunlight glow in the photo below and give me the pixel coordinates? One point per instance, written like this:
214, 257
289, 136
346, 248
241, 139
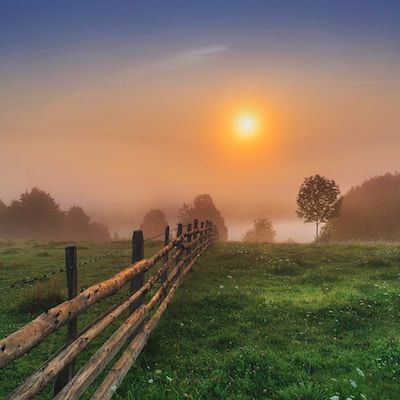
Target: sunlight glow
246, 124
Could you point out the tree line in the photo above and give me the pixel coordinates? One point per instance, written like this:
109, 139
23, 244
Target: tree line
203, 208
367, 212
36, 215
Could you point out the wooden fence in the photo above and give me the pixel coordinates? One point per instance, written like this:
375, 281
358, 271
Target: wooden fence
176, 257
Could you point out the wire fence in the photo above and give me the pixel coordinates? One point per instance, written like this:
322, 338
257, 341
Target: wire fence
57, 269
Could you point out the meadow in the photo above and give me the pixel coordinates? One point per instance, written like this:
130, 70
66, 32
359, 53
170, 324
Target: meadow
252, 321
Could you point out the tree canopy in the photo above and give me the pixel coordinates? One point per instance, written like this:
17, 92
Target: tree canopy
369, 212
36, 215
318, 200
262, 231
204, 209
154, 222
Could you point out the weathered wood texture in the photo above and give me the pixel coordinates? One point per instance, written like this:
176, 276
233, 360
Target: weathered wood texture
122, 366
177, 257
45, 324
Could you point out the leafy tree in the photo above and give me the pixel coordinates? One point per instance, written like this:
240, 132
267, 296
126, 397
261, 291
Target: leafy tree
3, 216
98, 232
317, 200
77, 224
370, 212
35, 215
262, 231
185, 214
154, 223
204, 209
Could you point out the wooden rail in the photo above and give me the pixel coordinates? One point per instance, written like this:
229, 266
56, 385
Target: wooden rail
177, 257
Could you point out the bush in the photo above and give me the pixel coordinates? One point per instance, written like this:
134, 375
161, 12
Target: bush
42, 296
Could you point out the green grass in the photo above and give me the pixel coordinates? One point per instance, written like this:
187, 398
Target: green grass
287, 322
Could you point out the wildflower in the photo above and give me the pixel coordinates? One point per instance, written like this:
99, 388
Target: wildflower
158, 371
360, 372
236, 287
181, 324
230, 276
221, 286
169, 379
363, 396
113, 388
334, 397
353, 383
151, 380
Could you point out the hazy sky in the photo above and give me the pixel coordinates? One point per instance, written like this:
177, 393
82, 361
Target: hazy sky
125, 105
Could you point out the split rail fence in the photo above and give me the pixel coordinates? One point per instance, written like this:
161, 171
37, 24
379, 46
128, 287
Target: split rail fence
176, 257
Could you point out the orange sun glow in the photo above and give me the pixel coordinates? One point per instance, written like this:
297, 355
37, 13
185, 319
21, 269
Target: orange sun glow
246, 124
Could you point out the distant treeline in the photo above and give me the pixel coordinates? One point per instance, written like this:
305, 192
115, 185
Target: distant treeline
203, 208
368, 212
36, 215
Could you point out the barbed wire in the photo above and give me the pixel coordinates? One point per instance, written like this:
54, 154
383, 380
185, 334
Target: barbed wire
103, 256
33, 279
58, 270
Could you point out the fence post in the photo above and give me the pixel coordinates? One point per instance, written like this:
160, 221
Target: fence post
195, 233
137, 255
67, 373
201, 235
188, 240
179, 232
165, 274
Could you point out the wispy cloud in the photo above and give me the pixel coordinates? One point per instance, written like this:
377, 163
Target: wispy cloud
175, 61
378, 82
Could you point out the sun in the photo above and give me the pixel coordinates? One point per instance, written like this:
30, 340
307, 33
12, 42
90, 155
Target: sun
246, 124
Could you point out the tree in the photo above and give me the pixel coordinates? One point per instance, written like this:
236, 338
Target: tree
98, 232
77, 224
185, 214
35, 215
262, 231
204, 209
370, 212
3, 216
317, 200
154, 223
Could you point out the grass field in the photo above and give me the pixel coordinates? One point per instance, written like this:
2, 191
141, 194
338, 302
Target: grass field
287, 322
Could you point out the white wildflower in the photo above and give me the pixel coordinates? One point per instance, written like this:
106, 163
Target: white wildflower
353, 383
151, 380
334, 397
360, 372
158, 371
221, 286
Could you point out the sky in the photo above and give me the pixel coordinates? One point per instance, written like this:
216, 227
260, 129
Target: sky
122, 106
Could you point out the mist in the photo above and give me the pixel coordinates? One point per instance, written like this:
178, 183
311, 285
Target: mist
125, 124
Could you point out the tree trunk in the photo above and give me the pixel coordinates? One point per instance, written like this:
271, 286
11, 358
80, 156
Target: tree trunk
317, 231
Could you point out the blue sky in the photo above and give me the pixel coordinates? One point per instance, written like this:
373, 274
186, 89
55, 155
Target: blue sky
55, 26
